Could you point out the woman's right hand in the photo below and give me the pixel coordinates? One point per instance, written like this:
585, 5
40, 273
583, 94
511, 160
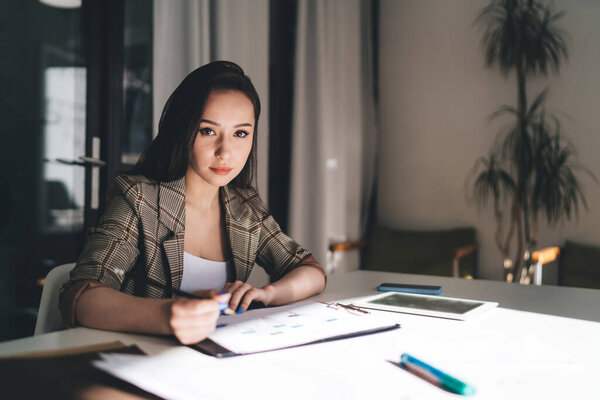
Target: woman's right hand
192, 320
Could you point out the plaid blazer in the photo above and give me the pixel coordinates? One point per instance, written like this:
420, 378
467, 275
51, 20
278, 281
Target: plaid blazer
141, 234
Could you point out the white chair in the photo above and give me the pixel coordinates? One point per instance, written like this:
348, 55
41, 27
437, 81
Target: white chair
49, 318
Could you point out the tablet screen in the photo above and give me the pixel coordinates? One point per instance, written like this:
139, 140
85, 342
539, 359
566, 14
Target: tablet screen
442, 304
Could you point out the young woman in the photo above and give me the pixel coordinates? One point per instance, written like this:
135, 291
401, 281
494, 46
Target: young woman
189, 219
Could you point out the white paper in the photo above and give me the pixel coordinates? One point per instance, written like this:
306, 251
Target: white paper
299, 373
281, 327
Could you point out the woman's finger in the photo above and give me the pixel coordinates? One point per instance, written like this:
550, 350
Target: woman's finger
223, 300
254, 294
231, 286
222, 297
237, 295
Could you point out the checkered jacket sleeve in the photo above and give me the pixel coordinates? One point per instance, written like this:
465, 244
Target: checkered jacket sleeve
276, 252
112, 248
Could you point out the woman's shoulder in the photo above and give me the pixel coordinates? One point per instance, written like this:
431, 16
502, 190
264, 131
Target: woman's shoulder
128, 181
133, 187
133, 179
250, 200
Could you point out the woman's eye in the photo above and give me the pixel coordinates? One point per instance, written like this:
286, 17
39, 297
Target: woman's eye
241, 134
207, 131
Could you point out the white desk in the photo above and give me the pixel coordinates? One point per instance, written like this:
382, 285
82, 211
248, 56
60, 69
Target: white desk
504, 353
552, 300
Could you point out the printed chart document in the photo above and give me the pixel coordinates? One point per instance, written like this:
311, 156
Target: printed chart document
289, 326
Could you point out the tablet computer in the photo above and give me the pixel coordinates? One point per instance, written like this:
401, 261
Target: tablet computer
434, 306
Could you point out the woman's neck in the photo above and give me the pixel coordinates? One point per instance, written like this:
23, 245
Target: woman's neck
198, 193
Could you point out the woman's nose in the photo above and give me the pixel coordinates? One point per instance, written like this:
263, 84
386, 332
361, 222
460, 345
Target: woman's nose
223, 150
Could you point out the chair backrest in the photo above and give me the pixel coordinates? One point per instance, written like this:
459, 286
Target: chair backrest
419, 251
579, 265
49, 318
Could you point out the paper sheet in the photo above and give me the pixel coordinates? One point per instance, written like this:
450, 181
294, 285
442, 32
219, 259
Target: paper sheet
183, 374
281, 327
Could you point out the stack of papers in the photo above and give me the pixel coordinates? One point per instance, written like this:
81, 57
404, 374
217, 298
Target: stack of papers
311, 372
184, 373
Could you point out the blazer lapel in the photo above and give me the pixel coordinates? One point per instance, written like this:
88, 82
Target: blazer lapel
243, 231
173, 248
172, 215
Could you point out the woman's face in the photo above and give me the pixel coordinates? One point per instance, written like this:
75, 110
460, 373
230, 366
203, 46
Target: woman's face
224, 138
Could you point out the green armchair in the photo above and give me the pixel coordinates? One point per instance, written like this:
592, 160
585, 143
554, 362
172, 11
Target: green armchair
579, 265
451, 252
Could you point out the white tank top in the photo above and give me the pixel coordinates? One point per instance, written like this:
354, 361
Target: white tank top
200, 274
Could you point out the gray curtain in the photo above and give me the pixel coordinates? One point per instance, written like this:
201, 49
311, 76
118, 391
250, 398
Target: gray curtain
335, 137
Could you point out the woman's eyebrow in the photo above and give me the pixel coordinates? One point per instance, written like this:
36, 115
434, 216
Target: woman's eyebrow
208, 121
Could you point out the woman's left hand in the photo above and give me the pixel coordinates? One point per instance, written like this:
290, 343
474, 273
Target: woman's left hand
242, 294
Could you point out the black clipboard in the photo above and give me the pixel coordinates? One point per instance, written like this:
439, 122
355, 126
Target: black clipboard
212, 348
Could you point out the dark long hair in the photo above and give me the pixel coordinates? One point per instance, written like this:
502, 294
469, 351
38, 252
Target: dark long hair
168, 156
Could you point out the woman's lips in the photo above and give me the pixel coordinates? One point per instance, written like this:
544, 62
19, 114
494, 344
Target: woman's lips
221, 170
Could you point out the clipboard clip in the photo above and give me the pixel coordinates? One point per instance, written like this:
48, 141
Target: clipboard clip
349, 307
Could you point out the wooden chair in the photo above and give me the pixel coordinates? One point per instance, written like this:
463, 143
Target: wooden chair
578, 265
538, 259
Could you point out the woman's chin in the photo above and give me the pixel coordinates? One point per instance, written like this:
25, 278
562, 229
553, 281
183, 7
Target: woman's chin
220, 181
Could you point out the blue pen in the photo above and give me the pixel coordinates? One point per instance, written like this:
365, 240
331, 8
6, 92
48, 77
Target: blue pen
223, 306
435, 376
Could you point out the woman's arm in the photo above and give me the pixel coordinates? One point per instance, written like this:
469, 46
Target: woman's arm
190, 320
304, 281
298, 284
300, 274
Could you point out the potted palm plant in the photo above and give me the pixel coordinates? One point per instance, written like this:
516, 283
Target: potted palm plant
532, 167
